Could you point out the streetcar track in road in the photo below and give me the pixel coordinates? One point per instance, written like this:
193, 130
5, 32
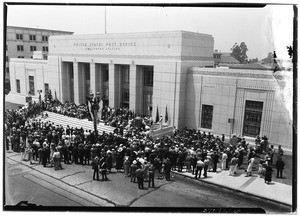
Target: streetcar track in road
106, 200
36, 182
72, 174
148, 192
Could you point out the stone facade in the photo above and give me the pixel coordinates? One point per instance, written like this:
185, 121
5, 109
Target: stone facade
159, 70
227, 91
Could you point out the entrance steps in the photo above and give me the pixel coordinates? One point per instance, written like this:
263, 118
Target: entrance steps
63, 120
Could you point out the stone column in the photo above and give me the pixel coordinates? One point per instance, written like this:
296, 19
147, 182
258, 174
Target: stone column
93, 77
99, 79
68, 83
135, 89
112, 85
77, 81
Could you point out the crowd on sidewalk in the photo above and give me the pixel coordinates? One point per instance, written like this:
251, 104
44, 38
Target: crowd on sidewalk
132, 151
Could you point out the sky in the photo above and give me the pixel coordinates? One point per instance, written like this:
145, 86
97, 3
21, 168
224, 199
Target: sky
262, 29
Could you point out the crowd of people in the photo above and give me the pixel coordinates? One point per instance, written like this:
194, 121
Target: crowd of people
130, 150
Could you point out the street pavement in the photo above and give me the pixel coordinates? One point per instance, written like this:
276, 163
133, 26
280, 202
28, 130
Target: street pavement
254, 185
73, 187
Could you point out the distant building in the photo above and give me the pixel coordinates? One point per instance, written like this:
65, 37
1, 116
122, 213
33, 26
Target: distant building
21, 42
224, 59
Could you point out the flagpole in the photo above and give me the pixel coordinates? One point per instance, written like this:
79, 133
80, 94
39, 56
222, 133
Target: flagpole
105, 19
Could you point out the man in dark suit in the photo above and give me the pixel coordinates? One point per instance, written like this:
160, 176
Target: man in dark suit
215, 159
133, 168
95, 166
167, 169
140, 177
279, 166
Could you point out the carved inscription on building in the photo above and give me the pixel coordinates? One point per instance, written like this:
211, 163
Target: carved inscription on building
90, 46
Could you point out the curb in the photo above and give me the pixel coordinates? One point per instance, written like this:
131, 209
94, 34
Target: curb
216, 184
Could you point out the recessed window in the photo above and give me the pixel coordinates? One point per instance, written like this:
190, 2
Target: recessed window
32, 37
46, 86
105, 75
148, 76
207, 116
45, 49
18, 86
252, 118
31, 85
125, 74
20, 48
7, 58
32, 48
20, 56
44, 38
19, 36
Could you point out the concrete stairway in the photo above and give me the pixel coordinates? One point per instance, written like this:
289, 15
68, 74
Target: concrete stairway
59, 119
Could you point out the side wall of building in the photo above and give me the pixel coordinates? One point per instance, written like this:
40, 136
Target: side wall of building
228, 95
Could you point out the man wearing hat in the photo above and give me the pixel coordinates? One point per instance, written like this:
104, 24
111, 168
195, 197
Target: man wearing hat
133, 168
139, 173
103, 168
95, 166
167, 169
279, 166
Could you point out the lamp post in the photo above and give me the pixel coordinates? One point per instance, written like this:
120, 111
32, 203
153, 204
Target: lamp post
94, 108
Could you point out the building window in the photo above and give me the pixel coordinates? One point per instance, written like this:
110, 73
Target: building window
32, 37
46, 86
207, 116
105, 75
126, 98
18, 86
148, 76
252, 118
44, 38
147, 107
6, 47
7, 70
20, 56
125, 75
7, 58
19, 36
20, 48
31, 85
32, 48
45, 49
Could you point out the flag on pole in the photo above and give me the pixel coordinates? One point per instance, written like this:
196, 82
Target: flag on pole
157, 115
90, 110
99, 114
40, 98
166, 116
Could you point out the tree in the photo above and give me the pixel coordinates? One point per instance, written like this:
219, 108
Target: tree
253, 60
268, 59
239, 52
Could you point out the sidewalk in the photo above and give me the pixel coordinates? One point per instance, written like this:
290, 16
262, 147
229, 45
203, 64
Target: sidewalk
254, 185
